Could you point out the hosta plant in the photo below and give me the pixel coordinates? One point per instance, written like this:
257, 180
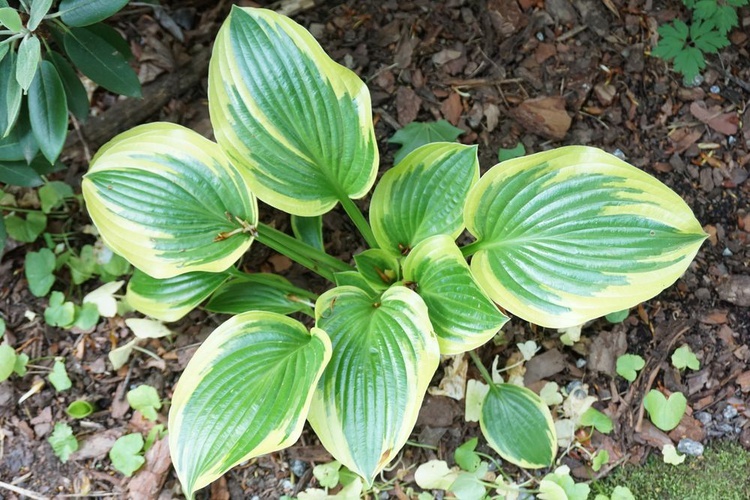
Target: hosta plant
558, 238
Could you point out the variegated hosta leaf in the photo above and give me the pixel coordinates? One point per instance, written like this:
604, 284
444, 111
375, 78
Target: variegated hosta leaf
172, 298
299, 123
384, 355
355, 279
572, 234
169, 201
245, 393
378, 267
460, 311
518, 425
423, 195
259, 292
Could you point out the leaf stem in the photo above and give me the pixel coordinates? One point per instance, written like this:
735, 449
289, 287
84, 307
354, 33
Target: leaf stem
471, 248
478, 363
355, 214
315, 260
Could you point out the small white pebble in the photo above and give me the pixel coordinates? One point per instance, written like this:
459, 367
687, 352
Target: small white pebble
540, 36
715, 89
618, 153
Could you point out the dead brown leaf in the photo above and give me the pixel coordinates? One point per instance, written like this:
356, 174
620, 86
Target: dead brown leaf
452, 108
407, 105
148, 481
724, 123
545, 116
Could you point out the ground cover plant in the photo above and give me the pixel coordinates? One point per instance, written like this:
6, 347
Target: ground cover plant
560, 237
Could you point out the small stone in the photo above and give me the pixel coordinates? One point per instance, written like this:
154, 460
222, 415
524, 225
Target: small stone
703, 294
729, 412
572, 386
540, 36
704, 417
298, 467
618, 153
725, 428
727, 252
690, 447
715, 89
580, 363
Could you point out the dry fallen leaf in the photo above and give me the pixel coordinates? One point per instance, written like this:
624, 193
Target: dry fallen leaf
545, 116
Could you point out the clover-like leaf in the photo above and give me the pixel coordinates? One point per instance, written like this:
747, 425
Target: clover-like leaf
126, 453
665, 413
146, 400
596, 419
683, 358
58, 377
461, 313
256, 373
39, 267
518, 425
423, 196
572, 234
63, 441
628, 366
384, 356
7, 361
169, 201
298, 123
466, 457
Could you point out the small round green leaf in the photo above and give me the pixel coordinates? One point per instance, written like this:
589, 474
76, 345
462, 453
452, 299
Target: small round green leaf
518, 425
245, 393
172, 298
39, 268
299, 123
169, 201
126, 453
423, 196
10, 19
7, 361
575, 233
384, 356
462, 314
665, 413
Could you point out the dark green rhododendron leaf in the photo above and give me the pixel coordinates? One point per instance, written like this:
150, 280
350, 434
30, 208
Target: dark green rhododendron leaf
84, 12
378, 267
308, 230
462, 314
417, 134
169, 201
48, 111
245, 393
518, 425
27, 64
575, 233
296, 121
10, 95
100, 61
261, 292
75, 93
171, 299
384, 355
423, 196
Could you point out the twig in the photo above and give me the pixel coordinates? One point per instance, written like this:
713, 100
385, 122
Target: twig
571, 33
22, 491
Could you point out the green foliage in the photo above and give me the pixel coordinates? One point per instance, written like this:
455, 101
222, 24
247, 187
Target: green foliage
63, 441
58, 377
683, 358
686, 46
600, 459
37, 126
596, 419
145, 399
39, 268
418, 134
628, 366
59, 312
80, 409
7, 361
665, 413
26, 230
508, 154
183, 210
327, 474
618, 316
126, 454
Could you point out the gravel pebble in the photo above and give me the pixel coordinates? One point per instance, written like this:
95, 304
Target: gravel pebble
298, 467
704, 417
690, 447
729, 412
